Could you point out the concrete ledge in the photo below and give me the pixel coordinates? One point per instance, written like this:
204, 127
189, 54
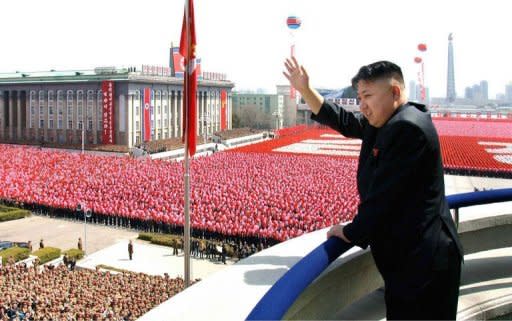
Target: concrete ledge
351, 280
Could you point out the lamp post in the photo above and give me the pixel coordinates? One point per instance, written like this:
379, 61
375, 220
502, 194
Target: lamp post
87, 214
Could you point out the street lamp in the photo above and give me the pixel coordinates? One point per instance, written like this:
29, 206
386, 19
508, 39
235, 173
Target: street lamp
87, 214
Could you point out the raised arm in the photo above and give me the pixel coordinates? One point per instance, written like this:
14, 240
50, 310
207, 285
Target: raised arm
326, 113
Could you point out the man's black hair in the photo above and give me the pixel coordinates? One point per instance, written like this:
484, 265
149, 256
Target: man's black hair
378, 70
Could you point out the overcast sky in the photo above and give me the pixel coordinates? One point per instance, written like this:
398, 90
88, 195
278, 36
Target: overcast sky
248, 39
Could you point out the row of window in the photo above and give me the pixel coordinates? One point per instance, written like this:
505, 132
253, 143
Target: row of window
91, 97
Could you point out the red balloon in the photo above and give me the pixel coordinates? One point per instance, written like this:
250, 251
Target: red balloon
422, 47
418, 60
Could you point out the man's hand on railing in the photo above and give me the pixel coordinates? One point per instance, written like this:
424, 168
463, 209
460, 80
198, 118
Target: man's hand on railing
337, 230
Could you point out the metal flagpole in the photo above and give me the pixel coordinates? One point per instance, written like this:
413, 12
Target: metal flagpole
186, 246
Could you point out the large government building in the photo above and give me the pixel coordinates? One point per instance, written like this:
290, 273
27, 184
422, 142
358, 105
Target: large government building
107, 105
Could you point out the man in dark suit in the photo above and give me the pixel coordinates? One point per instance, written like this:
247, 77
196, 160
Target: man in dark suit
403, 213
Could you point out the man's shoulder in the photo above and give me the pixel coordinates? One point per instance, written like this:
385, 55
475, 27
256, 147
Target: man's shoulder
413, 117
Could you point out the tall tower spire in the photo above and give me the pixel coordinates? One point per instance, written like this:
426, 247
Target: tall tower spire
450, 85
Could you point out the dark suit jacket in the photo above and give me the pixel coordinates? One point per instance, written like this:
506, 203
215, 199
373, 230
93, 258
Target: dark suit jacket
403, 213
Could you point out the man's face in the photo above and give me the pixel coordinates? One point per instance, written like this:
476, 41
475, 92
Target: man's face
376, 101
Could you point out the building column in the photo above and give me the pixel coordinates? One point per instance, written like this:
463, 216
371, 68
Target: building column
28, 116
217, 111
45, 116
229, 111
94, 117
2, 114
179, 113
19, 117
202, 115
10, 114
175, 113
169, 115
209, 113
129, 118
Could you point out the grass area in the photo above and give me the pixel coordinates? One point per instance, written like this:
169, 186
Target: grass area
12, 213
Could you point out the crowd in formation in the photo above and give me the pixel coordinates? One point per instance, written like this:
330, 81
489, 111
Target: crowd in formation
246, 192
265, 195
56, 293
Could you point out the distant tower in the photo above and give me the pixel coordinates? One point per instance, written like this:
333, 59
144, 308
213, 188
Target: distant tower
450, 85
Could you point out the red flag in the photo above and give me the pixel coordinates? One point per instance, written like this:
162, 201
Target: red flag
146, 124
188, 51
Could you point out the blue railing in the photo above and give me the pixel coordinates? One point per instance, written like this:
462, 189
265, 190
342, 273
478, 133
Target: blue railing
287, 289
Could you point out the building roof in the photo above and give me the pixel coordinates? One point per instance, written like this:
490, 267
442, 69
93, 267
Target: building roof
97, 74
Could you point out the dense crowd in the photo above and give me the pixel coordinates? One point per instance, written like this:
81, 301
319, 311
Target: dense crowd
474, 128
247, 192
265, 195
56, 293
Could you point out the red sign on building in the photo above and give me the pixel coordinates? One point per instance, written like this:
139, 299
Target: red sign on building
107, 88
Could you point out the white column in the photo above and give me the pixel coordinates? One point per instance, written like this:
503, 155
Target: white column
11, 114
217, 110
169, 115
130, 130
203, 99
175, 113
230, 113
2, 114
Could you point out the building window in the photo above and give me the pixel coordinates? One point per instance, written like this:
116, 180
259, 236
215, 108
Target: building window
32, 108
99, 107
41, 109
60, 108
79, 108
51, 103
89, 111
137, 125
69, 103
50, 124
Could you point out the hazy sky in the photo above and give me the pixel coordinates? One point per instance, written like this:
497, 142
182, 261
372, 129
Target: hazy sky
248, 39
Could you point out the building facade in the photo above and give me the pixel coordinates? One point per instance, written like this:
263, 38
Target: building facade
267, 111
58, 107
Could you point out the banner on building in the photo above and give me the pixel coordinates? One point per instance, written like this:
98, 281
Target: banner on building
178, 63
146, 115
107, 88
223, 109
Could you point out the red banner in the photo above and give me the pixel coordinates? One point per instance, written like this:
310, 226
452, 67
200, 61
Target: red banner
178, 62
146, 116
188, 50
107, 88
223, 110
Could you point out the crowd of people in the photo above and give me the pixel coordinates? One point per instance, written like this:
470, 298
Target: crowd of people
474, 127
265, 195
247, 192
57, 293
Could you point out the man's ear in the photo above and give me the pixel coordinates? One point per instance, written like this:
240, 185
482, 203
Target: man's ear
397, 91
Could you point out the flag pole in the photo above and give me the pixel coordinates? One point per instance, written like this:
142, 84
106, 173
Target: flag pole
186, 247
